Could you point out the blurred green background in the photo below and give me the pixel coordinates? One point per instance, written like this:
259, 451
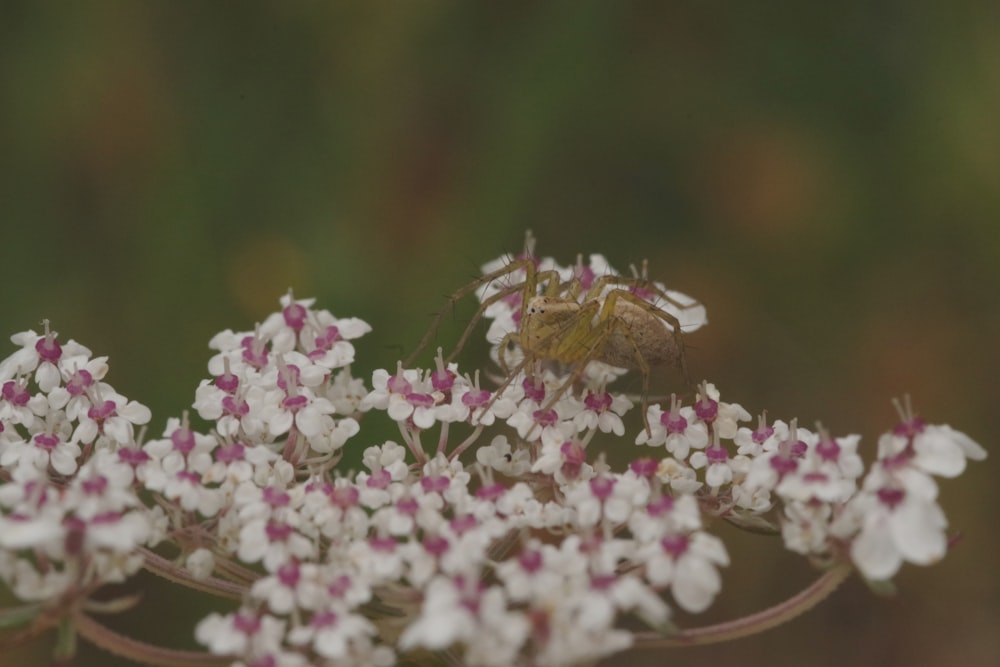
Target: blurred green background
825, 177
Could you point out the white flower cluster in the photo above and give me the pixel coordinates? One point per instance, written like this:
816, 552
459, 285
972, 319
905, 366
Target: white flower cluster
530, 549
71, 518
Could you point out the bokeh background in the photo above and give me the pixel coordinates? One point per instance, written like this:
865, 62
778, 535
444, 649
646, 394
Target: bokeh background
825, 177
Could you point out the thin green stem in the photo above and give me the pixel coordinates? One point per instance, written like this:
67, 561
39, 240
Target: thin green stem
65, 648
12, 617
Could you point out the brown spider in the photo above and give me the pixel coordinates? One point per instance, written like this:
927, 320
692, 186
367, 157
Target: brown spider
573, 318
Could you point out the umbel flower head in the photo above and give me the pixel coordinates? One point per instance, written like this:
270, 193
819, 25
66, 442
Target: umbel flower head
492, 531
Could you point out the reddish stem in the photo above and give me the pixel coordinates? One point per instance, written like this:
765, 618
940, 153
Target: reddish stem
755, 623
138, 651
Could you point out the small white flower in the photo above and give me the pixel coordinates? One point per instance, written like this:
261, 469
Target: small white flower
113, 416
688, 564
333, 634
805, 527
200, 563
604, 412
896, 526
679, 429
937, 450
273, 542
243, 633
499, 456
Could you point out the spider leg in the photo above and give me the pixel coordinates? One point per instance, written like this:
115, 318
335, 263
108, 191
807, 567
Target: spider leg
507, 381
509, 338
459, 295
641, 283
529, 286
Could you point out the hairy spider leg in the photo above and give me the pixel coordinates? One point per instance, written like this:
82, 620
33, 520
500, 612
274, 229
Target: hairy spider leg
528, 287
532, 277
509, 337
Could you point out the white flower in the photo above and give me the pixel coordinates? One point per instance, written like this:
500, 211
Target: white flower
679, 429
537, 568
243, 633
333, 634
33, 458
388, 469
443, 619
827, 471
44, 355
273, 542
520, 504
457, 611
17, 403
303, 409
499, 456
784, 458
27, 583
345, 392
715, 459
113, 416
181, 448
200, 563
405, 396
728, 415
287, 588
896, 526
186, 488
566, 462
30, 532
937, 450
664, 516
604, 412
688, 564
317, 333
681, 478
805, 527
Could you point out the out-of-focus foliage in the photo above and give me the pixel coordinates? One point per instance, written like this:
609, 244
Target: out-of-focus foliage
822, 176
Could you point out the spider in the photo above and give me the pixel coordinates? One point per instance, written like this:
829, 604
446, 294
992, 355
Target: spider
574, 317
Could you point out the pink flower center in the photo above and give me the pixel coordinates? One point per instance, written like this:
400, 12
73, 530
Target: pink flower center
15, 394
530, 560
48, 348
644, 467
78, 384
295, 316
675, 545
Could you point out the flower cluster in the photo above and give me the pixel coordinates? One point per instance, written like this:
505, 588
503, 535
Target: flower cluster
71, 517
493, 531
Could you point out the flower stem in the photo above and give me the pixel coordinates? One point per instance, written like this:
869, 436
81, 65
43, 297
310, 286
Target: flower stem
164, 568
132, 649
65, 647
755, 623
